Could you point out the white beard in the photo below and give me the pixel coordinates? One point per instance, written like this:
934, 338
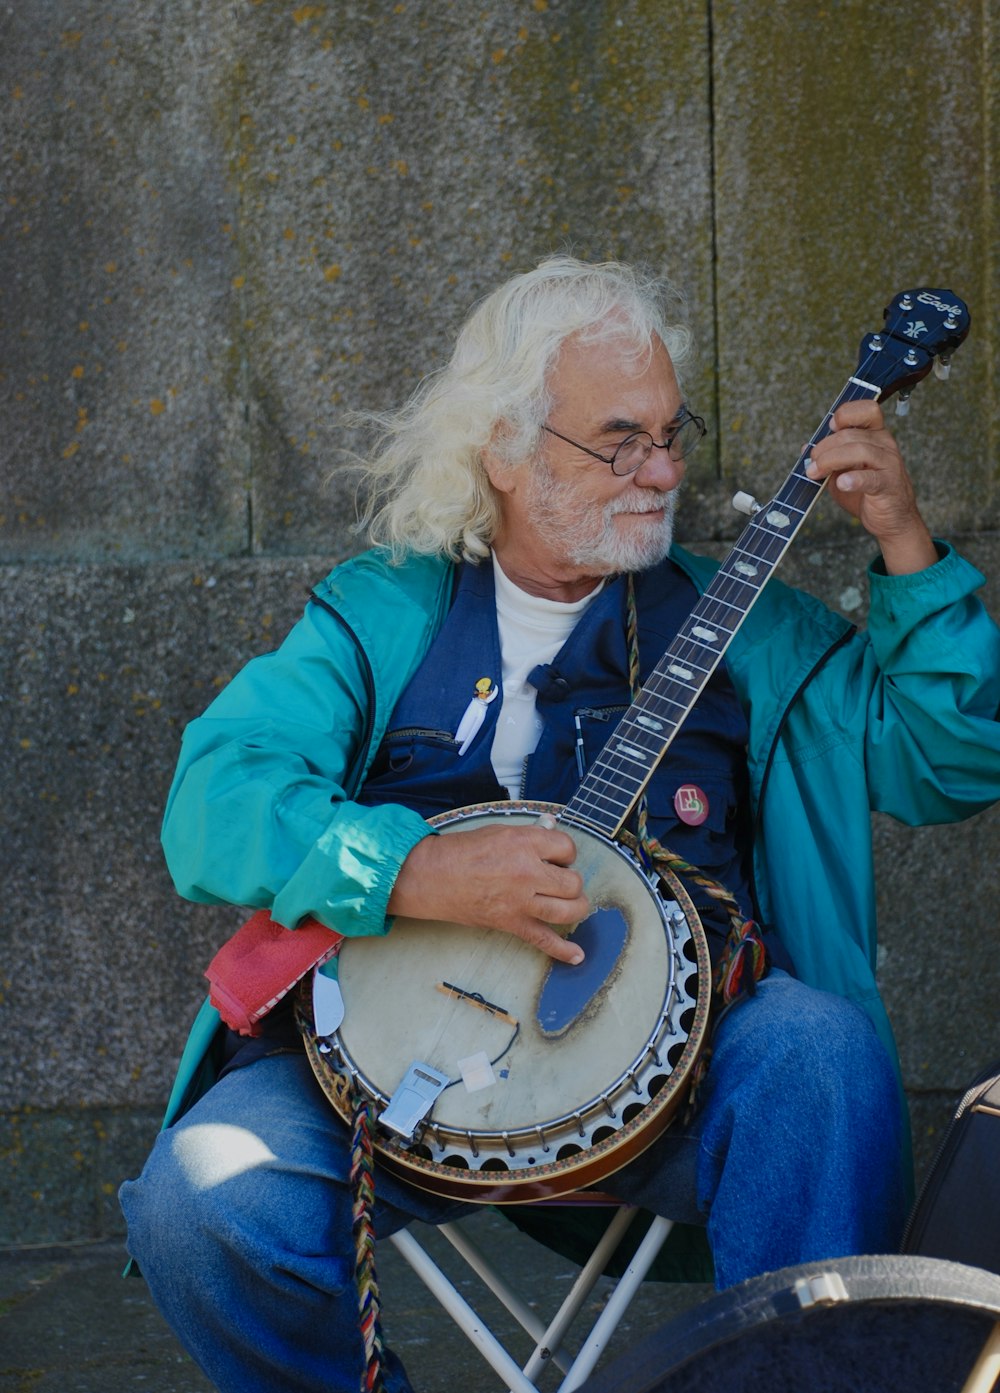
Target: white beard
589, 538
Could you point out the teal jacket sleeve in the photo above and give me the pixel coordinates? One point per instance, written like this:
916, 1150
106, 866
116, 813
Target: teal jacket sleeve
932, 668
260, 813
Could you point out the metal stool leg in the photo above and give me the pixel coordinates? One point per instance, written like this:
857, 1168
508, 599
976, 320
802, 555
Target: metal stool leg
548, 1338
586, 1280
606, 1323
461, 1312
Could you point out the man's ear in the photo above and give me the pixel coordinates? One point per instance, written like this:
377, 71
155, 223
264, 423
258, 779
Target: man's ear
501, 474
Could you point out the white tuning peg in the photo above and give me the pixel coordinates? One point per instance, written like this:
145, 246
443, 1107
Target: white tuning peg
942, 368
746, 503
903, 404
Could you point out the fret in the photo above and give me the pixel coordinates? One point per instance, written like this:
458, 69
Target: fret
734, 583
648, 724
760, 546
675, 671
681, 667
784, 514
728, 628
634, 732
643, 749
615, 772
635, 751
670, 692
704, 633
798, 499
650, 709
605, 808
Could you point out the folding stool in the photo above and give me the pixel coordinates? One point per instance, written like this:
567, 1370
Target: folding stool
548, 1337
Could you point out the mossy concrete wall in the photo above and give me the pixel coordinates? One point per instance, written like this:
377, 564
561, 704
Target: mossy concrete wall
222, 225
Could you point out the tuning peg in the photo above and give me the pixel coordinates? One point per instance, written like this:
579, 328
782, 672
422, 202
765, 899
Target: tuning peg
942, 367
746, 503
903, 404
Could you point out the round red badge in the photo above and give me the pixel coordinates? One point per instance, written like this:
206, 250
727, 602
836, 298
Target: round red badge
691, 804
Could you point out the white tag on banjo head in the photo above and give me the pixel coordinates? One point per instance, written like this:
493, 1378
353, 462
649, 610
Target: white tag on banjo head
477, 1071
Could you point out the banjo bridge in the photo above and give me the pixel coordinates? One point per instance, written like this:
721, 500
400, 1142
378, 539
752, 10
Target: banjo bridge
477, 999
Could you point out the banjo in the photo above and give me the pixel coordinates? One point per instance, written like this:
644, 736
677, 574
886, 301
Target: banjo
503, 1076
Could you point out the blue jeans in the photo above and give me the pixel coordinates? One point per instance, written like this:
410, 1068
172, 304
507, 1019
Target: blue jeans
241, 1219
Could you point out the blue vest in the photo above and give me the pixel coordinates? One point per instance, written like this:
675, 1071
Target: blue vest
580, 696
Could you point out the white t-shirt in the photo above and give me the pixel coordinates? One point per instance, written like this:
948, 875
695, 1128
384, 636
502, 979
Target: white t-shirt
532, 631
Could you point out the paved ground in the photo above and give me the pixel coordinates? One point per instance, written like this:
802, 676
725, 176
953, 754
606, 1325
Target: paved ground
70, 1324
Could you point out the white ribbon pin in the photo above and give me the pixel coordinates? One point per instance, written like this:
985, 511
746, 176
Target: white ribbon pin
475, 713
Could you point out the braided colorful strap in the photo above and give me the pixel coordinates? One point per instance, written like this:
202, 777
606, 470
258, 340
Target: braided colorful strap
743, 962
744, 957
363, 1198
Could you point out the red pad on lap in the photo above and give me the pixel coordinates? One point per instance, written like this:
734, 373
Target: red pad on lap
261, 963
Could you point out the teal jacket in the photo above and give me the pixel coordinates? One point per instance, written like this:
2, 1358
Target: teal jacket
901, 718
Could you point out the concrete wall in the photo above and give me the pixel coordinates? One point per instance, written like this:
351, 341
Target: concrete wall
221, 225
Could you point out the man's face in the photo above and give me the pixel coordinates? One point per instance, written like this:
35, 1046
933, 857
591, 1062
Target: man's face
568, 518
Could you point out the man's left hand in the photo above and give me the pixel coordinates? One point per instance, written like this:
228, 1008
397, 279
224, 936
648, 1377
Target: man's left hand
869, 480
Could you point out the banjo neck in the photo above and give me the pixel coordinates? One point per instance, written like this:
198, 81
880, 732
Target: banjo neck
892, 361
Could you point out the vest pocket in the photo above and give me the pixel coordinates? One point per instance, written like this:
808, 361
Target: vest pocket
401, 750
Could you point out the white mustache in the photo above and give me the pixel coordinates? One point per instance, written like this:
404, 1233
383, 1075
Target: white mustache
639, 501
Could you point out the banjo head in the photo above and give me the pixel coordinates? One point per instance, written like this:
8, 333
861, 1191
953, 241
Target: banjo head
551, 1077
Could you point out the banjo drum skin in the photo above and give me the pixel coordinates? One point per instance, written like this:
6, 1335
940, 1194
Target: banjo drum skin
556, 1076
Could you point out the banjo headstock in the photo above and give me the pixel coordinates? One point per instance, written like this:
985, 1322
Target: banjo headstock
923, 327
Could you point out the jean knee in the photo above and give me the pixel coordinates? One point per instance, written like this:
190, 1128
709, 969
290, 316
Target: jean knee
164, 1212
797, 1050
213, 1197
840, 1042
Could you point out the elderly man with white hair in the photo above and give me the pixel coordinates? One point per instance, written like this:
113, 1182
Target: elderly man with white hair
522, 579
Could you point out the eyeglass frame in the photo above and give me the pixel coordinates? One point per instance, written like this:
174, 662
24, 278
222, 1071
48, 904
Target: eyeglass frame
654, 445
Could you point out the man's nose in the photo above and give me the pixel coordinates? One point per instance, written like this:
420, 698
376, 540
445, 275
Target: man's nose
659, 470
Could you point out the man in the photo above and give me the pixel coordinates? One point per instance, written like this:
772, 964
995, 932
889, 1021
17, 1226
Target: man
523, 502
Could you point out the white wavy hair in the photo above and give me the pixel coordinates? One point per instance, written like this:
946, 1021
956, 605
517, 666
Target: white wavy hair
427, 488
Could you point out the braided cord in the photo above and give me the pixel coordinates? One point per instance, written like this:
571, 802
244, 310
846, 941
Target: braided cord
363, 1203
744, 957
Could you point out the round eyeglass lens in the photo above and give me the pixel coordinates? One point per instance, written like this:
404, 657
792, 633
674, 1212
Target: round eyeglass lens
687, 437
633, 453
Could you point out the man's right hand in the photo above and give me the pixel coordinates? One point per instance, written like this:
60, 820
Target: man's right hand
515, 879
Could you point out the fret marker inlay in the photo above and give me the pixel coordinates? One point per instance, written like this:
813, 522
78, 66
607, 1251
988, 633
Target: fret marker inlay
630, 752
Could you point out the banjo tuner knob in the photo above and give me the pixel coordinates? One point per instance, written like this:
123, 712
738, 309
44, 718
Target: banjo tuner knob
903, 404
746, 503
942, 368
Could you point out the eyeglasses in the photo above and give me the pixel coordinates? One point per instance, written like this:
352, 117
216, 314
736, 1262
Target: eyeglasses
634, 451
